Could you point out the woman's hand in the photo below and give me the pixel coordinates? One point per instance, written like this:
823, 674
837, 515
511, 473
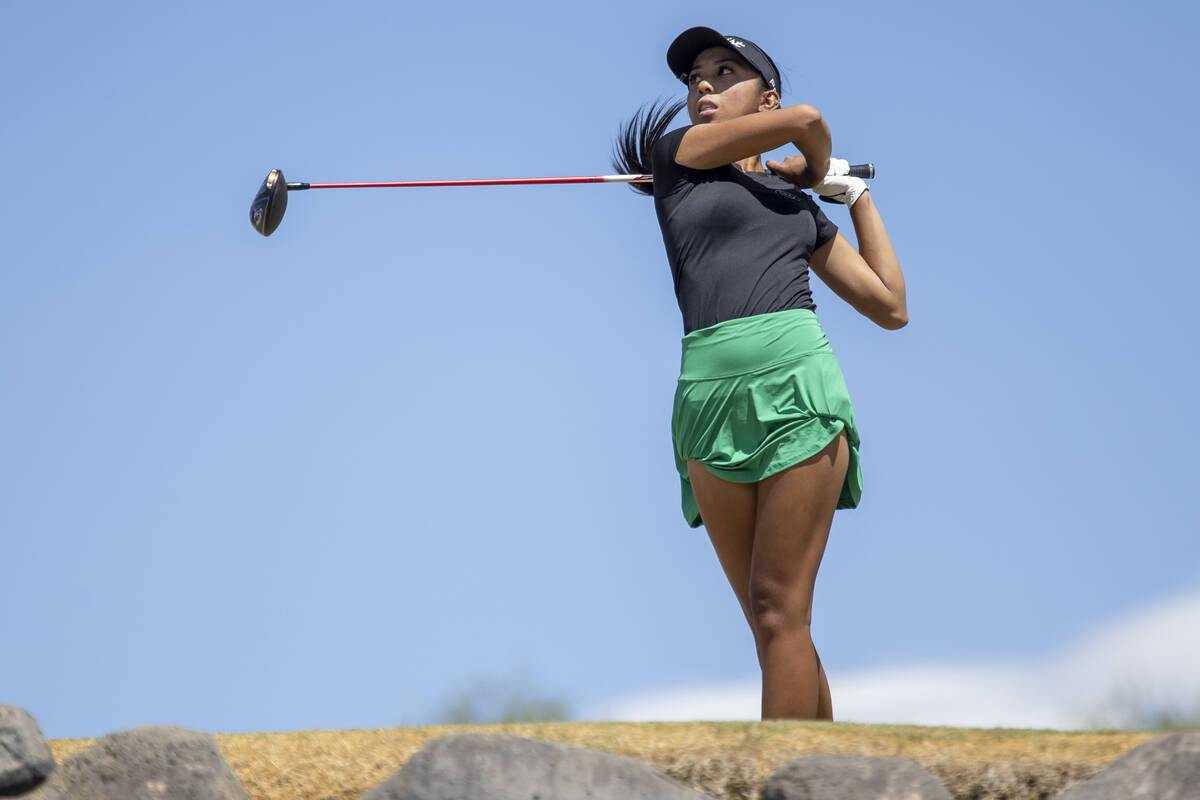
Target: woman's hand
841, 189
795, 170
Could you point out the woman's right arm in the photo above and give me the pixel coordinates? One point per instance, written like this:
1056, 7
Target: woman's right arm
719, 143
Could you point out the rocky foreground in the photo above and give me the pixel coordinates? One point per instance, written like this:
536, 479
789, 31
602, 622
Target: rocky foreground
167, 762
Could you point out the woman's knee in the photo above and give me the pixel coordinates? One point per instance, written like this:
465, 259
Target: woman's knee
776, 606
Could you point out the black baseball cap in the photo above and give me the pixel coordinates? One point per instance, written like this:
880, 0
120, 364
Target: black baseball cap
690, 43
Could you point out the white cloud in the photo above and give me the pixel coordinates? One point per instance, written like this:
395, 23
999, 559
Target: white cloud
1151, 657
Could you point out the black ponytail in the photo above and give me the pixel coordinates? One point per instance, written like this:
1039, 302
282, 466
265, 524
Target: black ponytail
635, 140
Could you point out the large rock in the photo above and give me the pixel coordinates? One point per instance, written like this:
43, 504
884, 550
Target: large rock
1164, 768
474, 766
25, 758
850, 777
145, 764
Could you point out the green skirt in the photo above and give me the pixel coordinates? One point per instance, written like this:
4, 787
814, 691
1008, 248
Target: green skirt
757, 395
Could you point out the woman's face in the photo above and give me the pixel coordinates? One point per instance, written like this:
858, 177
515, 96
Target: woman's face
722, 85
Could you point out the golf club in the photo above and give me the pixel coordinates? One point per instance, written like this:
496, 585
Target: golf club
266, 212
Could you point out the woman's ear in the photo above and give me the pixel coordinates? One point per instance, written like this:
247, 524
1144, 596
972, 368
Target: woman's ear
769, 100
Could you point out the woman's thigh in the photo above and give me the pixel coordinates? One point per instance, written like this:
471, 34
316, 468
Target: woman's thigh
794, 512
728, 510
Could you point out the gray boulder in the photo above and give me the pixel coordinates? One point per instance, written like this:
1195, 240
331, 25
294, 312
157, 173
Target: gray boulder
25, 758
850, 777
145, 764
474, 766
1164, 768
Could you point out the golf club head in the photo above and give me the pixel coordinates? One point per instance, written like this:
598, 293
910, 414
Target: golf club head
266, 212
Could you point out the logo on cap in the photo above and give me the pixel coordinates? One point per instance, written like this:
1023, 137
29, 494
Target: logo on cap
735, 42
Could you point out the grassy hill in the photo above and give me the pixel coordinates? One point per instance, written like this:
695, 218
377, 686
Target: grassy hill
728, 760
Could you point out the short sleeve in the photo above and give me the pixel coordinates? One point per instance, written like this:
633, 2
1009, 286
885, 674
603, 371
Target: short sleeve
826, 229
667, 173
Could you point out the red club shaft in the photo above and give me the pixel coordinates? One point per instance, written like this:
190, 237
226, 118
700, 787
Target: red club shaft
481, 182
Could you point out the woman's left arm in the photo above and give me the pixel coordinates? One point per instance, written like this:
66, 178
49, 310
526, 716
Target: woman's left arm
869, 279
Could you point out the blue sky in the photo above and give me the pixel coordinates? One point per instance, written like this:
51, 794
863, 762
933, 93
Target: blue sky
418, 439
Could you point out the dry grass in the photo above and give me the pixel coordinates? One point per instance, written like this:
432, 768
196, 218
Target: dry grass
729, 760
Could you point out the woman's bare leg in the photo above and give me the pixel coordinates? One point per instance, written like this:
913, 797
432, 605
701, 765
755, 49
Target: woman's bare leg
728, 510
794, 514
824, 700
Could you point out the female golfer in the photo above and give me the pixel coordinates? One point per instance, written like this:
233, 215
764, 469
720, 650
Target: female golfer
763, 430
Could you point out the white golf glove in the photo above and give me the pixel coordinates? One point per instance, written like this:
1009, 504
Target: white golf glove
838, 186
839, 166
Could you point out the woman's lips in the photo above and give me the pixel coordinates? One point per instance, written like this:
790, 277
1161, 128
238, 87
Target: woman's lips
706, 107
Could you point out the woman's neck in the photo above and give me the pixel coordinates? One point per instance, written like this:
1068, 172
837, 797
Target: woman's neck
751, 164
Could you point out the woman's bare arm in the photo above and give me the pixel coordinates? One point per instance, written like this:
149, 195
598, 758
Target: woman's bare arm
869, 279
716, 144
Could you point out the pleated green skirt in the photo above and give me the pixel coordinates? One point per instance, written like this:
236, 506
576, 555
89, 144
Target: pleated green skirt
757, 395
